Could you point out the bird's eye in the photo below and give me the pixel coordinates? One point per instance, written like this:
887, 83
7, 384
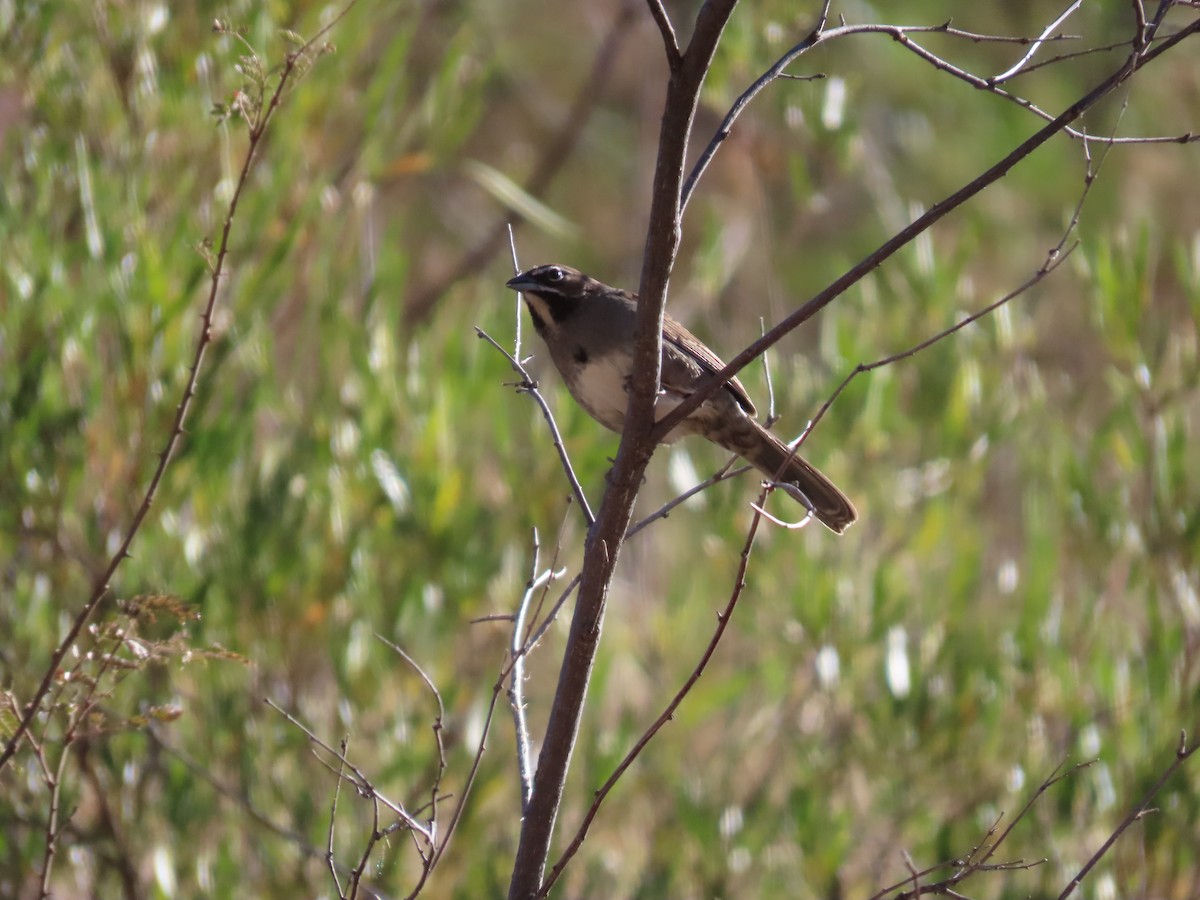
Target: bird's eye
554, 274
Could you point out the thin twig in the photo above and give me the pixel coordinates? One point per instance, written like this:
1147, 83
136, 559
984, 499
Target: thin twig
902, 35
1139, 17
976, 859
53, 779
724, 473
1055, 257
1042, 38
740, 104
356, 874
517, 317
918, 226
359, 780
527, 385
1059, 774
330, 857
540, 631
438, 728
460, 806
552, 574
667, 30
766, 358
1182, 754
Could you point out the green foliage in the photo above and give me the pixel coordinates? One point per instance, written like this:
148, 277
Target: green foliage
1022, 589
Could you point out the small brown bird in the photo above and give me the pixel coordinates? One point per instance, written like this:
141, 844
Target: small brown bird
588, 328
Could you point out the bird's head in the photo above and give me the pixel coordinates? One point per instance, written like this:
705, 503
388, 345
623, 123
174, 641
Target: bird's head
554, 292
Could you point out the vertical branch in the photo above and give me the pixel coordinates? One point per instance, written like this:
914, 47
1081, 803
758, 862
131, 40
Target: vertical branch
53, 780
687, 74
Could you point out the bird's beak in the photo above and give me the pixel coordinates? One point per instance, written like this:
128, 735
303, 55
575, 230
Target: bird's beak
521, 283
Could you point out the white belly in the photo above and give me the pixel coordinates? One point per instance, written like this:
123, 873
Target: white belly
602, 392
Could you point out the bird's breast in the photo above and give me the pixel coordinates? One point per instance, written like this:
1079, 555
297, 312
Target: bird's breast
599, 384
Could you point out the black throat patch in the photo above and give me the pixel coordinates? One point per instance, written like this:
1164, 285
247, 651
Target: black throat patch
560, 306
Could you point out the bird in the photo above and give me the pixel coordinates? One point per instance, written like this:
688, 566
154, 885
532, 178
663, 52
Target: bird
588, 328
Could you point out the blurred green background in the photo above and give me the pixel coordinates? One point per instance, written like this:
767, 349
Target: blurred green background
1023, 587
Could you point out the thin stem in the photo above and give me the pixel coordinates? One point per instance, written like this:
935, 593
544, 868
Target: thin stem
1020, 64
667, 30
528, 386
516, 680
1182, 754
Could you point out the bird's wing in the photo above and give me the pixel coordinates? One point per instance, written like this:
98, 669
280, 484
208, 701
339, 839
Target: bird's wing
680, 372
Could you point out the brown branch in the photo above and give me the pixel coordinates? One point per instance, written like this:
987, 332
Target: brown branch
922, 223
533, 631
739, 105
667, 30
53, 779
1139, 16
900, 34
1055, 257
356, 874
724, 473
456, 816
637, 445
438, 725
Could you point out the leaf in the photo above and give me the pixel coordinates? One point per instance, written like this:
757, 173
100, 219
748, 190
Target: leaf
512, 195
